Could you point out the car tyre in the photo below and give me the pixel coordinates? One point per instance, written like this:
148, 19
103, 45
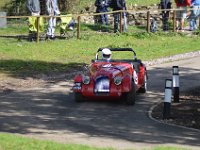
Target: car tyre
143, 89
79, 97
131, 96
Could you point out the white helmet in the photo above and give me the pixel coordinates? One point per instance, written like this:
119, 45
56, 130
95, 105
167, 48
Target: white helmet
106, 54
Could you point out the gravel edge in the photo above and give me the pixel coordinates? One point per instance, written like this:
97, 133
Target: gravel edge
172, 58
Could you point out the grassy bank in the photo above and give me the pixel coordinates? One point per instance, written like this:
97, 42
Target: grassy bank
25, 57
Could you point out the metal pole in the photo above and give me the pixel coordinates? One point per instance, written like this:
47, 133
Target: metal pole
175, 73
148, 21
78, 27
167, 100
38, 28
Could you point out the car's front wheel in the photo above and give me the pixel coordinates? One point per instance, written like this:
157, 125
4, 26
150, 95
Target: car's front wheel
143, 89
79, 97
131, 96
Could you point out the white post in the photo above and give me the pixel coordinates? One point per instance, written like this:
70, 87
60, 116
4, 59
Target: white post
168, 99
175, 73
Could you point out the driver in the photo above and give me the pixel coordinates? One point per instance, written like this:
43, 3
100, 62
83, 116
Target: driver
106, 54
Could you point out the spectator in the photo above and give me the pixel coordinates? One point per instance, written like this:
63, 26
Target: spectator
102, 6
67, 22
118, 5
34, 10
182, 13
165, 4
52, 10
195, 13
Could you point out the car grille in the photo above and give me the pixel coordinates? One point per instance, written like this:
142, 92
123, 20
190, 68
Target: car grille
102, 85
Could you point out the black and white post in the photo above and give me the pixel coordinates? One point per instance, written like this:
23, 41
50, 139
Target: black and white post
175, 73
168, 99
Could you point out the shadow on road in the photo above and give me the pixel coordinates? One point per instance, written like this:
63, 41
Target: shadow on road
53, 111
20, 69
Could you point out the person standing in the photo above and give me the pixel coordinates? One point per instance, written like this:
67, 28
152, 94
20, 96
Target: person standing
195, 13
181, 13
118, 5
52, 10
34, 10
165, 5
102, 6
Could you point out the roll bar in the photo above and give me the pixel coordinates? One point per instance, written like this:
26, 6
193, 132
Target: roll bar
118, 49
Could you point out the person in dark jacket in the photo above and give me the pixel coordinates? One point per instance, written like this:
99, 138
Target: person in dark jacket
102, 6
118, 5
165, 4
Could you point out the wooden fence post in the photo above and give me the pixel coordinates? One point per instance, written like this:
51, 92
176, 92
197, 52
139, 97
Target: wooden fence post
174, 21
148, 21
78, 27
121, 22
38, 28
199, 23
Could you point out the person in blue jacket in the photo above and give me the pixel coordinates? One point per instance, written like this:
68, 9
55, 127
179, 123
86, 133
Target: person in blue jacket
195, 13
165, 5
102, 6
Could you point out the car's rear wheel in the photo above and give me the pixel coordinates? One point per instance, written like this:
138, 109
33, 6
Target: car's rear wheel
131, 96
143, 89
79, 97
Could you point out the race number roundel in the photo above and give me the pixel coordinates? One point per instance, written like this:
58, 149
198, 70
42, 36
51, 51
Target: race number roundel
135, 77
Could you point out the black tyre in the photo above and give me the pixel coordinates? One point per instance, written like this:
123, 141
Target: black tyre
131, 96
143, 89
79, 97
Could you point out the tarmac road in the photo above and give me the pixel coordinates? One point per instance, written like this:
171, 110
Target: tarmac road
50, 113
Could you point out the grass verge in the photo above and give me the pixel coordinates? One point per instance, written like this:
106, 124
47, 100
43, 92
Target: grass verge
13, 142
22, 57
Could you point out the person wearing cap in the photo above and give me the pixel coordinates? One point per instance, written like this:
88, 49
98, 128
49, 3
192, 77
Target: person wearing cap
106, 54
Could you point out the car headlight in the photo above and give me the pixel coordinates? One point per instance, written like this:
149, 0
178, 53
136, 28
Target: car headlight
117, 80
77, 86
86, 79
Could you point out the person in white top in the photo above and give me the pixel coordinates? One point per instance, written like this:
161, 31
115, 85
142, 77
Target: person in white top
52, 10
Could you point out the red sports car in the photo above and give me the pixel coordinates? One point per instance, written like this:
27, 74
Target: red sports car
111, 79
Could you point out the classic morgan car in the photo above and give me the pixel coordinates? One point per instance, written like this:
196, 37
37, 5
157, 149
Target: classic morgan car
111, 79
